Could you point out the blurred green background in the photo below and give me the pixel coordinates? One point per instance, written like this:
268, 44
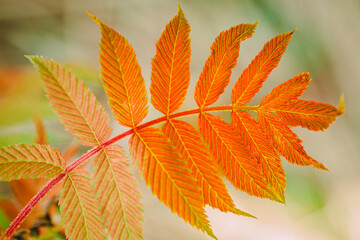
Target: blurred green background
320, 205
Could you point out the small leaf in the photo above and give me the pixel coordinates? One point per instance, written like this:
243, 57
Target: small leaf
259, 69
286, 92
79, 212
234, 157
259, 143
118, 195
121, 75
286, 141
30, 161
169, 177
217, 70
75, 104
170, 75
204, 167
309, 114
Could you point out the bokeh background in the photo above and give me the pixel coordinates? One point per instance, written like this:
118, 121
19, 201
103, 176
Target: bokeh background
320, 205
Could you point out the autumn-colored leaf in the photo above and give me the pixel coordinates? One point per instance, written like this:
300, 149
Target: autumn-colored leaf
286, 141
118, 195
218, 67
309, 114
234, 157
168, 176
30, 161
259, 69
76, 106
121, 75
204, 167
78, 208
286, 92
170, 76
259, 143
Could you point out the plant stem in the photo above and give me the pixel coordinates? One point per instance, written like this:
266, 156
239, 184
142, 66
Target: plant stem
29, 206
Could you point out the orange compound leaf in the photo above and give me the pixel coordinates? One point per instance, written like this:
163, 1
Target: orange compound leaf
309, 114
286, 141
30, 161
170, 75
74, 103
218, 67
286, 92
204, 167
121, 75
117, 193
234, 157
259, 143
169, 177
256, 73
78, 209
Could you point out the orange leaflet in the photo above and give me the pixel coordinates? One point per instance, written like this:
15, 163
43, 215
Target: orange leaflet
117, 193
286, 141
217, 70
170, 75
309, 114
234, 157
168, 176
204, 168
259, 69
76, 106
263, 151
78, 208
121, 74
288, 91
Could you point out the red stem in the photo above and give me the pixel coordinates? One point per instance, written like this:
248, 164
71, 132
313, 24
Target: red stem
29, 206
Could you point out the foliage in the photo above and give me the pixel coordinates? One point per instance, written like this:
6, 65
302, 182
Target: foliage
182, 166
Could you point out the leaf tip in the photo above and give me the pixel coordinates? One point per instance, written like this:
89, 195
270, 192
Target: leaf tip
94, 18
341, 107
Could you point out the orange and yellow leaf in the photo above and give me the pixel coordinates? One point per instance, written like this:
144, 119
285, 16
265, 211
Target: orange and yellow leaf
168, 176
76, 106
78, 208
170, 75
256, 73
218, 67
286, 92
286, 141
121, 75
117, 193
309, 114
253, 136
234, 157
203, 165
30, 161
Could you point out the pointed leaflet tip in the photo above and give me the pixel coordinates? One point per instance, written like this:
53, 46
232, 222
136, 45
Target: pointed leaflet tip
341, 107
94, 18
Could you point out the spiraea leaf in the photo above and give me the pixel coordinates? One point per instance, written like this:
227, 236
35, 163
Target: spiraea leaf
168, 176
286, 141
170, 75
202, 164
254, 137
30, 161
256, 73
78, 208
117, 193
218, 67
121, 75
234, 157
72, 100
